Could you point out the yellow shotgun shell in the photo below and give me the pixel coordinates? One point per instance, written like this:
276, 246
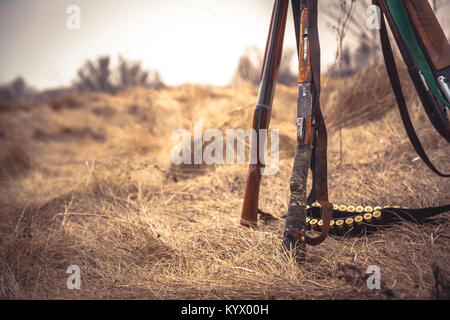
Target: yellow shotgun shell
377, 215
313, 223
307, 207
316, 204
340, 223
377, 208
368, 217
332, 223
368, 209
359, 220
335, 206
320, 224
308, 220
351, 209
349, 222
359, 209
342, 207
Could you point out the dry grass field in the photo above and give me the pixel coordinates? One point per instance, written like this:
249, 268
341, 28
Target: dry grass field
88, 181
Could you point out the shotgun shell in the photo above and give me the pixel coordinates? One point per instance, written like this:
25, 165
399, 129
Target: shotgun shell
351, 209
320, 224
384, 207
335, 207
332, 223
368, 217
368, 209
359, 209
342, 208
308, 220
340, 223
396, 207
377, 215
313, 224
307, 207
349, 222
315, 208
359, 220
377, 208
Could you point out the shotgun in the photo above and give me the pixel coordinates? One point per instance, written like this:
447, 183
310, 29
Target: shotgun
426, 53
296, 216
261, 117
311, 151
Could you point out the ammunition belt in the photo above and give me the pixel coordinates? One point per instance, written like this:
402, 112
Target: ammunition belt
358, 220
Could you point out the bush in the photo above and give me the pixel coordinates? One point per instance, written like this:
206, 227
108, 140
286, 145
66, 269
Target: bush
94, 77
98, 76
16, 91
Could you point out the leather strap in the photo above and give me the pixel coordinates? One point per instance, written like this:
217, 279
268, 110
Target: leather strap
398, 92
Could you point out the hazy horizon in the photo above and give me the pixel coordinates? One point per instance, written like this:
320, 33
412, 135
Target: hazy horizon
199, 41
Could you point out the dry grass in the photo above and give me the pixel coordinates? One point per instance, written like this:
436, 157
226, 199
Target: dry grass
112, 205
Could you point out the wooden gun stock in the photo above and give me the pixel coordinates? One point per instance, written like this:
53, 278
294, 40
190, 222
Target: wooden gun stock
430, 32
412, 30
304, 57
249, 217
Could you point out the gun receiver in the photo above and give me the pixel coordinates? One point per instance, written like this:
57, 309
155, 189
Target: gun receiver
304, 103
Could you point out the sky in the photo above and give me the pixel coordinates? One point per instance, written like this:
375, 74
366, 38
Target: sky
186, 41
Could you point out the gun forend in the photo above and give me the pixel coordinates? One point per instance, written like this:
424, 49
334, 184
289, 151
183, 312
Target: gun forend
304, 121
